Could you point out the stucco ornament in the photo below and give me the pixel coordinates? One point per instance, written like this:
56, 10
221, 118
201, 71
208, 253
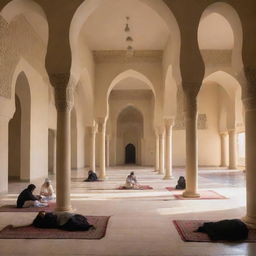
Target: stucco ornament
249, 95
63, 84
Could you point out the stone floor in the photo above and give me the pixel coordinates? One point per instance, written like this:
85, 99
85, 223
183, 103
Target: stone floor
141, 221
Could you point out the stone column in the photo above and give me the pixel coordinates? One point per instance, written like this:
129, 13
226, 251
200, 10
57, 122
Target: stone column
64, 103
107, 150
157, 153
168, 149
250, 158
4, 121
223, 137
92, 132
190, 101
232, 149
102, 134
161, 151
54, 152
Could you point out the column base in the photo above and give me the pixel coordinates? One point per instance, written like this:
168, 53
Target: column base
64, 209
190, 194
155, 170
168, 177
232, 167
102, 178
251, 222
161, 173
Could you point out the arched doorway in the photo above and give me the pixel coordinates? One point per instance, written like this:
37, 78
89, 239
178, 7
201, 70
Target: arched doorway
130, 154
19, 132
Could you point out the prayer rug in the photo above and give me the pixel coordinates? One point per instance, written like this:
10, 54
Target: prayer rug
173, 189
13, 208
140, 187
186, 230
29, 232
204, 194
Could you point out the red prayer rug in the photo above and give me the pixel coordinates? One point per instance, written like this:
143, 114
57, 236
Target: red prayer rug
186, 230
30, 232
140, 187
204, 194
13, 208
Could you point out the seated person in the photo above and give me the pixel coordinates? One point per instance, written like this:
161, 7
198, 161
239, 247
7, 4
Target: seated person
27, 199
47, 192
92, 176
62, 220
181, 183
131, 181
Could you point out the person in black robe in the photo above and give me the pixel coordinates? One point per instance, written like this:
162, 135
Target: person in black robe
92, 176
229, 230
62, 220
181, 183
27, 196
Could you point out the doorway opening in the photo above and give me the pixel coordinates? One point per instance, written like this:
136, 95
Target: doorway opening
130, 154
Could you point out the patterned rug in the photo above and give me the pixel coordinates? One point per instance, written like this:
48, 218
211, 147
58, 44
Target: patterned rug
186, 230
204, 194
29, 232
13, 208
173, 189
140, 187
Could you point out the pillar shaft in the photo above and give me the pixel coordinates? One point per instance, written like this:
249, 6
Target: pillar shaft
92, 133
157, 153
4, 154
191, 146
64, 103
161, 153
107, 150
232, 149
250, 133
102, 150
168, 148
223, 137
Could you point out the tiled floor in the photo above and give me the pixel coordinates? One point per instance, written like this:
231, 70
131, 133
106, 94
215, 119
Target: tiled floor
141, 221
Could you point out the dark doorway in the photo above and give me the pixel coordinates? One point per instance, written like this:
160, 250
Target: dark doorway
130, 154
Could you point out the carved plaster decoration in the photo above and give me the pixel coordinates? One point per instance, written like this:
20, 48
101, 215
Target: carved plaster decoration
18, 40
201, 122
249, 92
64, 90
121, 56
217, 57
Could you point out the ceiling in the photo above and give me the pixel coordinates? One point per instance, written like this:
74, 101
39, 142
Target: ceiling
215, 32
104, 29
131, 83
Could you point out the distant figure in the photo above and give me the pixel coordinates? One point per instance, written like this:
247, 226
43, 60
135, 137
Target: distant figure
27, 199
181, 183
62, 220
131, 181
47, 191
92, 176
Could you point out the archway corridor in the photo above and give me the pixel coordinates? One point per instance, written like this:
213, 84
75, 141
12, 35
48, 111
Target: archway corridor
141, 215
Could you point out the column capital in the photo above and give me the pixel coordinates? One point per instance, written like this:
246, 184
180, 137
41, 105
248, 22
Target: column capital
64, 87
92, 129
101, 121
169, 122
160, 130
223, 133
